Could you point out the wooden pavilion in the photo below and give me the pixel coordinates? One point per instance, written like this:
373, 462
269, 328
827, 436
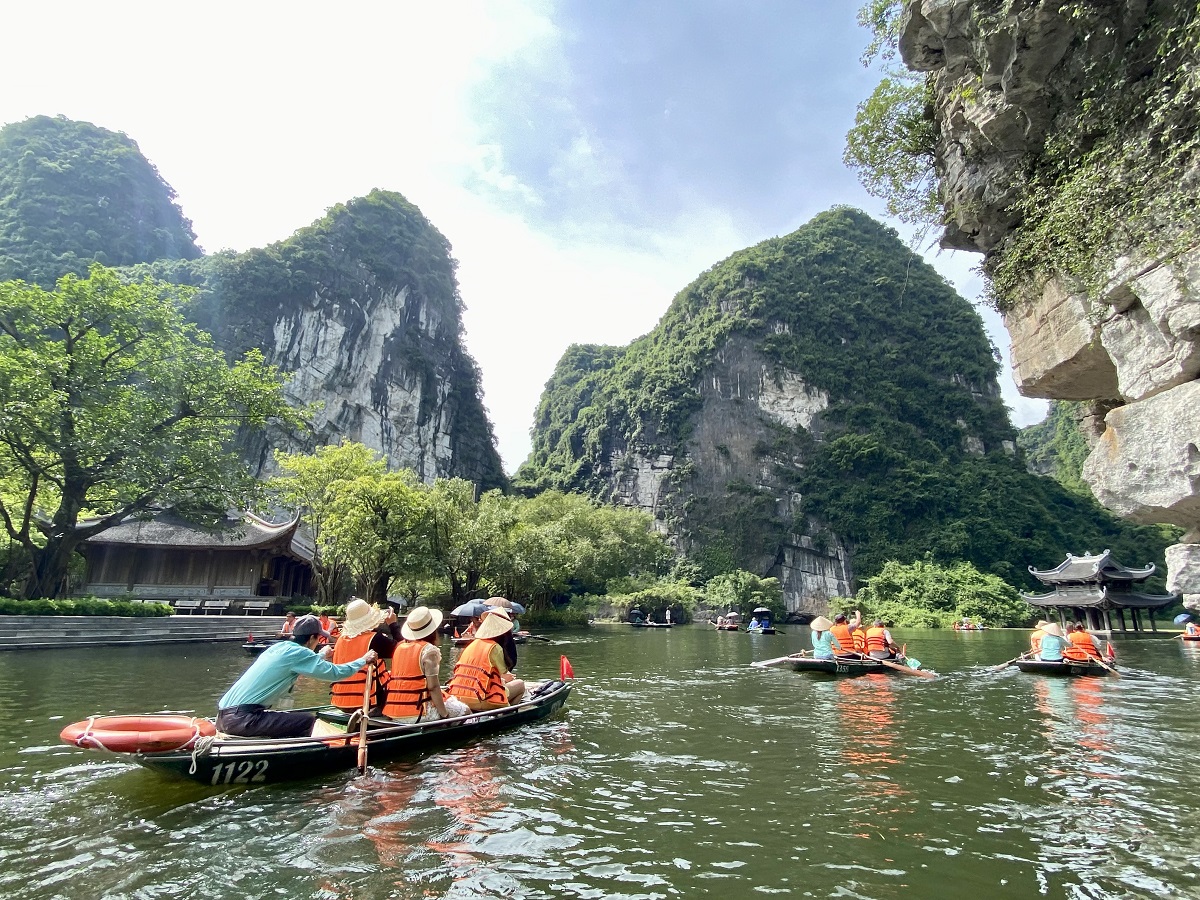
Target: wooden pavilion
241, 559
1093, 588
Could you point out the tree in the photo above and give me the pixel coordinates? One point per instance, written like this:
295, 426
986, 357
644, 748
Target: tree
309, 486
744, 591
112, 406
374, 527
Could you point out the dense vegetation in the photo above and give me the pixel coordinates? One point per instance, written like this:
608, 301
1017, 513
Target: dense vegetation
1056, 446
82, 606
111, 405
1116, 170
913, 456
925, 595
72, 193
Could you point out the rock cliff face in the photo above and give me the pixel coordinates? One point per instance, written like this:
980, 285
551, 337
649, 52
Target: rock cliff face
766, 419
1007, 79
361, 310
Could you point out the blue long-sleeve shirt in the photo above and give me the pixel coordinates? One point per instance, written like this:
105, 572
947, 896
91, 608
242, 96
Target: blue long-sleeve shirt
276, 670
823, 643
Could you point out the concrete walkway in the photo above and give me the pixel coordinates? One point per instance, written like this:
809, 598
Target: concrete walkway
41, 632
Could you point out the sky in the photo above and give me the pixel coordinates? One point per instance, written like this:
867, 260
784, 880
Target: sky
586, 159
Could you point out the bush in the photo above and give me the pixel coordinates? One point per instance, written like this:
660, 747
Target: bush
82, 606
564, 617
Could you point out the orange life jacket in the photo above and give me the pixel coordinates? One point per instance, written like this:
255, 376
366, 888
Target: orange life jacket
1082, 646
859, 637
1035, 642
348, 693
877, 640
474, 677
408, 691
844, 637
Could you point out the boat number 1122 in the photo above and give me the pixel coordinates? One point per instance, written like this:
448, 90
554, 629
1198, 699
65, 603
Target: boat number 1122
243, 772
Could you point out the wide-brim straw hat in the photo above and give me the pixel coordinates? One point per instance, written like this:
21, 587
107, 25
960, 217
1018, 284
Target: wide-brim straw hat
820, 623
1041, 623
499, 602
361, 617
421, 622
1052, 628
494, 624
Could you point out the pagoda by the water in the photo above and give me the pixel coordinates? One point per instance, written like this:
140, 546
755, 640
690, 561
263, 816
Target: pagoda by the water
1092, 588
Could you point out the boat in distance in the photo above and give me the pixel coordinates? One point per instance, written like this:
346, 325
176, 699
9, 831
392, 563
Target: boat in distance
223, 760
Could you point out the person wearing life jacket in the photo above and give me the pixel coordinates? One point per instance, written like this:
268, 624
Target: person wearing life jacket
244, 709
824, 642
414, 691
366, 628
845, 632
1082, 645
1191, 628
1035, 639
330, 626
480, 678
879, 642
289, 622
1052, 644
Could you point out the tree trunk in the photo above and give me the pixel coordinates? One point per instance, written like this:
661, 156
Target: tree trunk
51, 564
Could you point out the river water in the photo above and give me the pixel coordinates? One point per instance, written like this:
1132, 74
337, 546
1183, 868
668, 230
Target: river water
677, 770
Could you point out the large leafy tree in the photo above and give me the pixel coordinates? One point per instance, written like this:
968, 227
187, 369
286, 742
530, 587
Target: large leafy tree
111, 405
311, 485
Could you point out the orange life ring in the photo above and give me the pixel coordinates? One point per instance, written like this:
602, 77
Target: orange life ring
137, 734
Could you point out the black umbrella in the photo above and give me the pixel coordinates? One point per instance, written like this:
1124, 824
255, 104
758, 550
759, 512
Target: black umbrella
762, 609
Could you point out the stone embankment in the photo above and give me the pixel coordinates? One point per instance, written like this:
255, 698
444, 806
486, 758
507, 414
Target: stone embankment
47, 632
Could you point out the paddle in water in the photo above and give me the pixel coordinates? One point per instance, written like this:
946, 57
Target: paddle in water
362, 728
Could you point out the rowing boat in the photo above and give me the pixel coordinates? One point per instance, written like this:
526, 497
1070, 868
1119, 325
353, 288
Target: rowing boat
225, 760
1068, 667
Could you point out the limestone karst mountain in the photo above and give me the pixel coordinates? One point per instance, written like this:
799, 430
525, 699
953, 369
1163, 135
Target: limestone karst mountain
361, 308
810, 408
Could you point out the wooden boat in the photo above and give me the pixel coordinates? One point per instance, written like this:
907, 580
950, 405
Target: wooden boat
768, 630
726, 627
1190, 637
651, 624
224, 760
1068, 667
843, 667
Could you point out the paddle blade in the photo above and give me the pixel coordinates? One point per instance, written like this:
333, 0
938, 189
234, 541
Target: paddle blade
565, 670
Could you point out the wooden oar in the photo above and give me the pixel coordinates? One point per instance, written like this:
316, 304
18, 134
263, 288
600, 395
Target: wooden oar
763, 663
1111, 670
907, 670
366, 714
1010, 662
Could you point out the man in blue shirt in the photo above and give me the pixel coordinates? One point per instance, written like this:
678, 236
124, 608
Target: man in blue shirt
243, 710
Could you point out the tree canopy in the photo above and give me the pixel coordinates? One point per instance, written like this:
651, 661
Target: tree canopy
72, 193
111, 405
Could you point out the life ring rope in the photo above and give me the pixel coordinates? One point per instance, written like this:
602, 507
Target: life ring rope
138, 734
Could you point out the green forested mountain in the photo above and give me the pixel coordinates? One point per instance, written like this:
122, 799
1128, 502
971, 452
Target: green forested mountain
72, 193
905, 452
1056, 446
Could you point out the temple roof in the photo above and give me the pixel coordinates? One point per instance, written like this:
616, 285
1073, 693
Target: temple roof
1092, 597
1090, 570
238, 530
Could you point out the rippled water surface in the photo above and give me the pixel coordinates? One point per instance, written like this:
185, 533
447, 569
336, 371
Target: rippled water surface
676, 770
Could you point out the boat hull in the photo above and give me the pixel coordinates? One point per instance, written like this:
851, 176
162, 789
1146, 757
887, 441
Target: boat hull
1067, 669
845, 668
236, 761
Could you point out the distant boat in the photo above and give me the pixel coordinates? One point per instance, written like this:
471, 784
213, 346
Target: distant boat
1067, 668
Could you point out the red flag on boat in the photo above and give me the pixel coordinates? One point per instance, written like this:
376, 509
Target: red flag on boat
564, 669
1111, 653
249, 639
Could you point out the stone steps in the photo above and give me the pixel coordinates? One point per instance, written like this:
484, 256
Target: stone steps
46, 632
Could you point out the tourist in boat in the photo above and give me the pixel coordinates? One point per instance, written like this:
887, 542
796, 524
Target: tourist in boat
879, 642
754, 624
507, 642
330, 626
1052, 644
244, 712
480, 678
289, 622
1082, 644
721, 622
415, 690
824, 641
846, 631
366, 628
1191, 629
1035, 639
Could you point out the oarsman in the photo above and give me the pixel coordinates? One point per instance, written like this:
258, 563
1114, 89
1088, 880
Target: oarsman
1052, 644
824, 642
845, 632
366, 628
879, 642
1035, 639
243, 711
289, 622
